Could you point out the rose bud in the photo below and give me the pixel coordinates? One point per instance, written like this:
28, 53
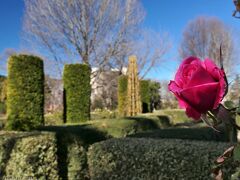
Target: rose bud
199, 86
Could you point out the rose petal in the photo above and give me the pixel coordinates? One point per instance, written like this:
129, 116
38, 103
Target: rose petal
221, 90
191, 112
179, 79
209, 65
200, 76
173, 87
201, 97
219, 75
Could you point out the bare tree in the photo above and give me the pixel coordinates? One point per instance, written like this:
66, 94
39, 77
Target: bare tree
203, 36
102, 33
151, 49
4, 57
89, 31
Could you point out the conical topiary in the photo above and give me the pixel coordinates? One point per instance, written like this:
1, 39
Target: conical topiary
133, 101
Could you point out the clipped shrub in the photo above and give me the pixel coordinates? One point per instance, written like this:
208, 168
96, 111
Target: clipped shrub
155, 97
72, 157
28, 156
25, 92
77, 92
72, 142
145, 95
122, 95
153, 159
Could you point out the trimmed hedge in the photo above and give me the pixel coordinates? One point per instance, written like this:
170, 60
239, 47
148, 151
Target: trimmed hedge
153, 159
72, 142
122, 95
145, 95
77, 92
25, 92
72, 157
28, 155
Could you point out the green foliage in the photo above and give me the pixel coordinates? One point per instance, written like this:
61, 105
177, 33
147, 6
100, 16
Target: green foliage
73, 142
72, 156
3, 107
145, 95
3, 89
25, 92
3, 94
236, 153
229, 104
122, 95
153, 159
55, 118
77, 92
28, 155
155, 97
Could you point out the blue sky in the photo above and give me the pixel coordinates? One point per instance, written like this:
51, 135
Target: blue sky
162, 15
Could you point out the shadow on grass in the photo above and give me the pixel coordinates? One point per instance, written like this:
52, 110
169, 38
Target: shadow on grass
146, 123
201, 133
88, 135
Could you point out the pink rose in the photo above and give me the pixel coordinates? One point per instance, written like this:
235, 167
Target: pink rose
199, 86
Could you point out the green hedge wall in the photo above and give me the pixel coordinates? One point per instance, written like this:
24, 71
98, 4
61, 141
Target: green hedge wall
145, 95
122, 95
28, 156
72, 157
153, 159
77, 92
25, 92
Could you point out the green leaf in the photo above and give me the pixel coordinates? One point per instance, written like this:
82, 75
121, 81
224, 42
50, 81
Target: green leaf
236, 153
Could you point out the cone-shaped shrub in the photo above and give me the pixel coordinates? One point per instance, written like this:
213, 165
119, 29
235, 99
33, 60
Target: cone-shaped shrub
145, 95
134, 100
122, 95
25, 92
77, 92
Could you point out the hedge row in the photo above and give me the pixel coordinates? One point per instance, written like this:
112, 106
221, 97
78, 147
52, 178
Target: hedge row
122, 95
25, 92
72, 157
154, 159
63, 155
77, 92
145, 95
28, 155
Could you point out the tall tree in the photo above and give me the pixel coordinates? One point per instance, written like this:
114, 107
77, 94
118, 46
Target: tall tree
203, 36
102, 33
